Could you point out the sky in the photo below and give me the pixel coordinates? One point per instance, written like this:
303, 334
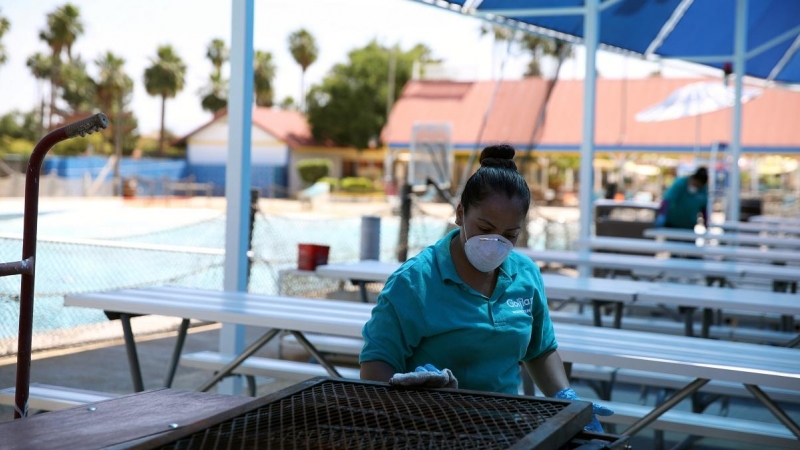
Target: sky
134, 30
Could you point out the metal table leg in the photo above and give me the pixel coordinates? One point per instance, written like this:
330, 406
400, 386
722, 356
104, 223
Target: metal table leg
176, 353
708, 317
617, 315
225, 371
133, 357
688, 320
774, 409
597, 312
642, 423
362, 287
315, 353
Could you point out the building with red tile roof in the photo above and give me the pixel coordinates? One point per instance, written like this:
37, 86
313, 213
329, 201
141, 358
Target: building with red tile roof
769, 122
279, 139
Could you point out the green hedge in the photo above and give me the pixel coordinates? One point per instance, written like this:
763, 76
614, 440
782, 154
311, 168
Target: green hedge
357, 184
333, 182
311, 170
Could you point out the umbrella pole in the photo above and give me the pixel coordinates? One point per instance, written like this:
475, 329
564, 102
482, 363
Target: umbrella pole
740, 44
696, 139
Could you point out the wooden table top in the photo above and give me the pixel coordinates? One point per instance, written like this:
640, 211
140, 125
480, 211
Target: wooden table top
115, 422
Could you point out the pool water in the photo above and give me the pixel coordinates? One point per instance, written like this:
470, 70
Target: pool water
64, 266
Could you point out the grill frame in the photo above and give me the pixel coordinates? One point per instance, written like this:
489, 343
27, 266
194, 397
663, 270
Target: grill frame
555, 432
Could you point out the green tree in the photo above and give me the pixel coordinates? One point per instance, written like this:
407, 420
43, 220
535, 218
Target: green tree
5, 25
113, 85
539, 47
214, 95
41, 67
164, 78
349, 106
288, 104
263, 75
62, 30
19, 125
78, 88
305, 51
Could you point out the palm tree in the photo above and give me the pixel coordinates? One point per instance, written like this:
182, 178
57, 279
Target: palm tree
66, 25
218, 54
500, 34
41, 67
5, 25
165, 78
63, 28
78, 88
263, 75
304, 50
112, 86
214, 95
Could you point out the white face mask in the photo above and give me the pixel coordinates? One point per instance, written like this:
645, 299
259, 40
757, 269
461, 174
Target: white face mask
693, 189
487, 251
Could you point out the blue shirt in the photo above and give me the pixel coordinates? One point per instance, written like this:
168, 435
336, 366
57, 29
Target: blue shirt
683, 206
426, 314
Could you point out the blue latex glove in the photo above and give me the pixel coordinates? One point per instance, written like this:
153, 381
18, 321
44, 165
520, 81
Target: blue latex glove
661, 220
597, 410
426, 376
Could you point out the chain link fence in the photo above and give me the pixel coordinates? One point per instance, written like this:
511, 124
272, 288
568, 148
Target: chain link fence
191, 255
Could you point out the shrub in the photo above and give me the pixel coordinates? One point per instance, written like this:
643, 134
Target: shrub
333, 182
311, 170
357, 184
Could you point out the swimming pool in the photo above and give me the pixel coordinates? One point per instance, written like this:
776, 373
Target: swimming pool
87, 249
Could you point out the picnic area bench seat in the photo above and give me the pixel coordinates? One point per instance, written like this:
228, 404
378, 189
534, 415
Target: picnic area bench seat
669, 327
589, 372
46, 397
705, 425
264, 367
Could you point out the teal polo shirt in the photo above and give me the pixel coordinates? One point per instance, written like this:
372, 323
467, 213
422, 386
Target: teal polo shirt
684, 206
427, 315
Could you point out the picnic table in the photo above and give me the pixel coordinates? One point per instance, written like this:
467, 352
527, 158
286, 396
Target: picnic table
760, 227
752, 365
601, 291
691, 249
725, 238
726, 272
794, 221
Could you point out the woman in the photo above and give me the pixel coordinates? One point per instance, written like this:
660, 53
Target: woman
468, 303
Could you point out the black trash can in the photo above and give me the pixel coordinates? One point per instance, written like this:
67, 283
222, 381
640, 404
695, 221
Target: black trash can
749, 207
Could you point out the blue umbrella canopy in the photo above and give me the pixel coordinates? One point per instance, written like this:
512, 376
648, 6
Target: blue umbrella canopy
701, 31
760, 38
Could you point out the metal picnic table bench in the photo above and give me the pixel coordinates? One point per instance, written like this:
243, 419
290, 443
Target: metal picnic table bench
621, 292
726, 238
753, 365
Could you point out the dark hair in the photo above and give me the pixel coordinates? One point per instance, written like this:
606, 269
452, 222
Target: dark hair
701, 175
497, 174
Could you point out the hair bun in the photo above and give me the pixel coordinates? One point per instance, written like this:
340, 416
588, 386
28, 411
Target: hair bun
498, 156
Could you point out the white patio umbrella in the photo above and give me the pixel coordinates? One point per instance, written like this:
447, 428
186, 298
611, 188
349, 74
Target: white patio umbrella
693, 100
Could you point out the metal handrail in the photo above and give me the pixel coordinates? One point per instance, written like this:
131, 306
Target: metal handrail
27, 265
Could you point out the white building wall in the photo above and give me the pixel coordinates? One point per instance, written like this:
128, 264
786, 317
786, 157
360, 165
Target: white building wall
210, 146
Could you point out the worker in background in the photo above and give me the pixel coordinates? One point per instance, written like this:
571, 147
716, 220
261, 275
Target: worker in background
687, 197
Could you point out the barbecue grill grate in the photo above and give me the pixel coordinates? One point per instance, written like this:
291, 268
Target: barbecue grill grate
343, 415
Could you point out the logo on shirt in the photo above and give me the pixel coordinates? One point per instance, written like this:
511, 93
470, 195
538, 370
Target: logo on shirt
520, 305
